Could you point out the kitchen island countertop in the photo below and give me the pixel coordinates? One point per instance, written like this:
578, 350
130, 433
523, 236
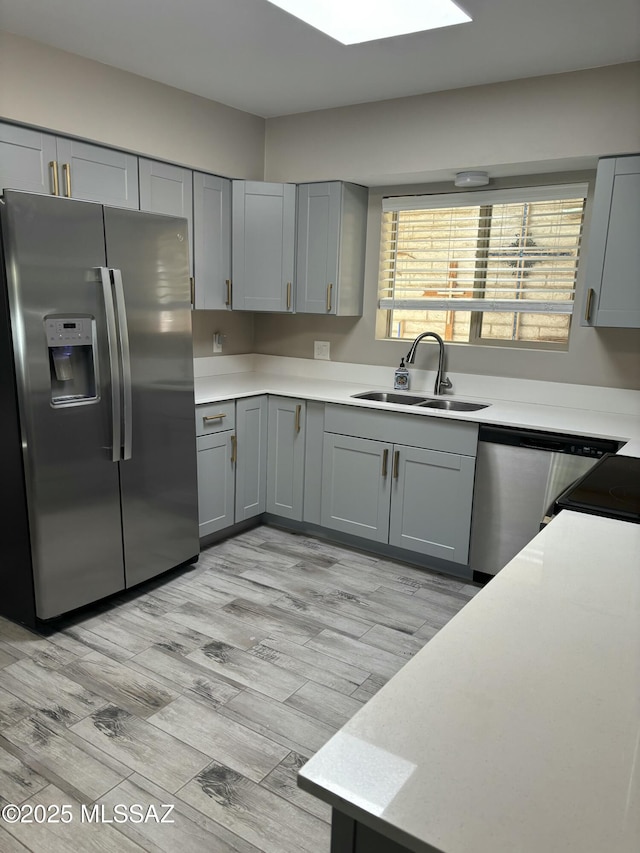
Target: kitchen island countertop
517, 727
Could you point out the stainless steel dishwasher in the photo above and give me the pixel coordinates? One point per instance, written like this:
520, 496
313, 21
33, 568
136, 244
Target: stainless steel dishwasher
519, 474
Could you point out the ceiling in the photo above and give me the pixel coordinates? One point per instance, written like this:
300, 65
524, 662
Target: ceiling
251, 55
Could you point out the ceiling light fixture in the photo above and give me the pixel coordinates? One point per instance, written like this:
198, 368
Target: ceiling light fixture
367, 20
471, 179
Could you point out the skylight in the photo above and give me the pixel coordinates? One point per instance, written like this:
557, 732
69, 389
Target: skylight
355, 21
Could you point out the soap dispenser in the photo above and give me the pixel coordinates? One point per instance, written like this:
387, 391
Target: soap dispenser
401, 378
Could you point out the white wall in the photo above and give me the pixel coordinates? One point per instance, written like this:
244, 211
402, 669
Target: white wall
50, 88
541, 124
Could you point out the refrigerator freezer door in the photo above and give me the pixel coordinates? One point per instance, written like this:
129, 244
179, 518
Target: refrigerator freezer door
159, 481
53, 250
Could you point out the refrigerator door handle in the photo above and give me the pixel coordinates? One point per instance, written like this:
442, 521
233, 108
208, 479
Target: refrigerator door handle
110, 314
125, 360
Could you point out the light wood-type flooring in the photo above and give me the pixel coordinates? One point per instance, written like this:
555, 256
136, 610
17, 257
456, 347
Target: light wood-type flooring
206, 690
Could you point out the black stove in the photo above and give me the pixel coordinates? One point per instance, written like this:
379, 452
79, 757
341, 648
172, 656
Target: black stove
611, 488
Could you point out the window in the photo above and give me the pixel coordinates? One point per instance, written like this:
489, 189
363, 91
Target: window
484, 267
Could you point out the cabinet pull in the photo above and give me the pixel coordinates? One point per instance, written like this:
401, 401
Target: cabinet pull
385, 459
288, 296
587, 313
329, 293
53, 165
192, 285
396, 464
219, 417
66, 169
234, 448
298, 412
227, 282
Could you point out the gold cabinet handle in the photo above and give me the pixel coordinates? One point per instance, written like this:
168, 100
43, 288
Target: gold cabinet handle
66, 170
192, 285
234, 448
298, 412
53, 165
385, 459
219, 417
228, 286
288, 296
587, 313
329, 294
396, 464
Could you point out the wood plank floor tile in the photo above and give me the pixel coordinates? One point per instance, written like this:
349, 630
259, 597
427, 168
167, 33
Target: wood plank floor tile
314, 608
246, 670
268, 620
184, 674
369, 687
9, 844
321, 703
283, 781
287, 726
221, 737
12, 709
189, 832
352, 651
310, 664
18, 782
216, 625
118, 683
396, 642
254, 813
141, 746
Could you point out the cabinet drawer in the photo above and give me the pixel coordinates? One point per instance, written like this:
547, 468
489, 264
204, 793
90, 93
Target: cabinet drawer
215, 417
450, 436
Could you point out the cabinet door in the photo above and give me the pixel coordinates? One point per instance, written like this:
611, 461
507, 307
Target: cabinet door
216, 482
431, 500
212, 241
613, 288
251, 457
318, 244
99, 174
356, 486
263, 232
167, 189
285, 462
25, 158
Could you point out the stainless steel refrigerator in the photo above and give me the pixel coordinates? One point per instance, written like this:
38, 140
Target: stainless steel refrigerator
97, 438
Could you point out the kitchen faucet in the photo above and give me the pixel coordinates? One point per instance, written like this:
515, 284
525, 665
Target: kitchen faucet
441, 380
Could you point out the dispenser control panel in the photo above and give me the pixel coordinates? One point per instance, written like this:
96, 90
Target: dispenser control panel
65, 332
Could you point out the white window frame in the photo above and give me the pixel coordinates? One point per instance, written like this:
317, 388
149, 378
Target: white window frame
477, 306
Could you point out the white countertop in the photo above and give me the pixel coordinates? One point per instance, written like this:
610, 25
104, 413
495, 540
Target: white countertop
576, 421
517, 728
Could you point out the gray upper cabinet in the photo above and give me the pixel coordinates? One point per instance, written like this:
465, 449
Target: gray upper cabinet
40, 162
251, 457
263, 245
613, 261
330, 247
25, 156
167, 189
212, 241
286, 457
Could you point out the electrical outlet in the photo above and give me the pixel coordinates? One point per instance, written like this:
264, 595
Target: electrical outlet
217, 342
321, 350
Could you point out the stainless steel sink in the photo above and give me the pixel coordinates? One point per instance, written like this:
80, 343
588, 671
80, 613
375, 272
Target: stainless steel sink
390, 397
453, 405
426, 402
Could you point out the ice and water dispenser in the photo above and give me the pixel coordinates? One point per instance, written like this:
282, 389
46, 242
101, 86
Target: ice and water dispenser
72, 359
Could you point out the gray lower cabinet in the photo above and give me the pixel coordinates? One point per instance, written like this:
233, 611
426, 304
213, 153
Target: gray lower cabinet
263, 243
251, 457
41, 162
356, 486
415, 498
431, 500
613, 283
216, 482
286, 456
168, 189
352, 836
212, 241
330, 246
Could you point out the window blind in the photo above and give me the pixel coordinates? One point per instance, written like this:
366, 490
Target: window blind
500, 251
